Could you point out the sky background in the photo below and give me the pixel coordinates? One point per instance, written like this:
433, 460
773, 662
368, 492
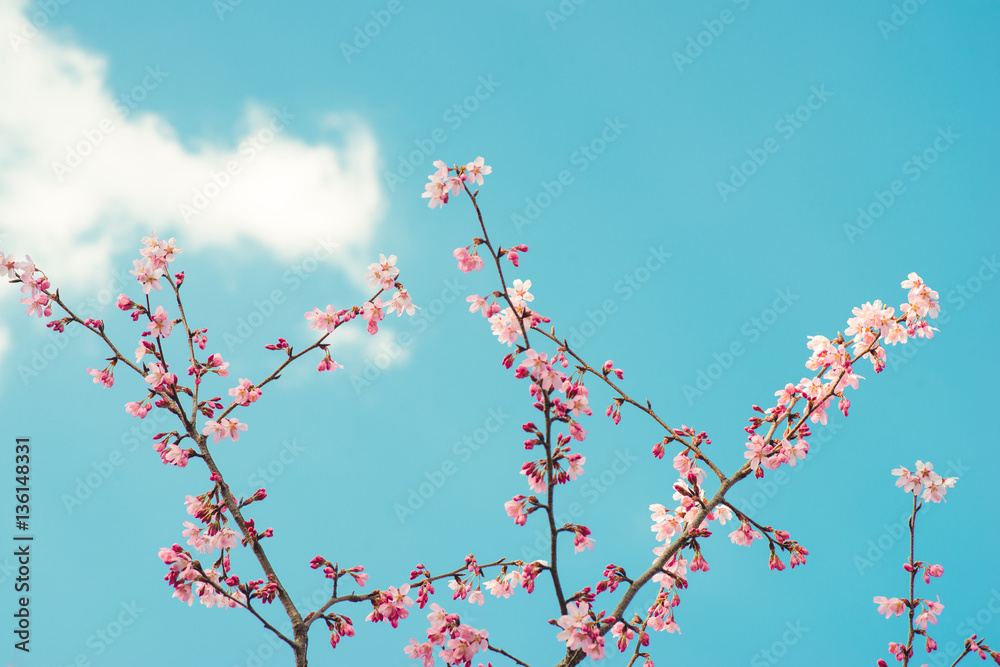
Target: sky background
778, 165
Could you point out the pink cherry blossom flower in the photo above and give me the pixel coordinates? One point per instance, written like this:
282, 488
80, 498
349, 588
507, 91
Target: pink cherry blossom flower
421, 651
104, 377
37, 305
161, 324
572, 623
147, 274
499, 588
139, 410
744, 535
505, 327
576, 462
936, 487
907, 480
624, 635
437, 190
372, 311
224, 428
582, 540
327, 320
930, 613
245, 393
174, 455
328, 364
889, 606
215, 364
476, 169
195, 506
196, 538
468, 262
359, 576
401, 302
519, 293
515, 509
382, 274
7, 266
393, 606
159, 379
912, 282
478, 304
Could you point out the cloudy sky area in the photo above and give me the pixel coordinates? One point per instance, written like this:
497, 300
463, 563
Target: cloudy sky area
700, 187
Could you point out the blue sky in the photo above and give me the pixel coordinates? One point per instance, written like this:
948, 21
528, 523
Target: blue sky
777, 165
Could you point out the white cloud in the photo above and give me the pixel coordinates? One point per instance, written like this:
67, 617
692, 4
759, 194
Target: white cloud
75, 214
138, 173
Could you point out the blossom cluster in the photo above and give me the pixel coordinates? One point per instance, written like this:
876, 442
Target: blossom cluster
216, 587
442, 185
872, 324
459, 642
924, 480
503, 586
581, 629
35, 286
933, 488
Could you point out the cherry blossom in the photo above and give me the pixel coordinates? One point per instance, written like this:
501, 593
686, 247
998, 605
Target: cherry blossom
104, 377
889, 606
372, 311
147, 274
519, 293
401, 302
382, 275
478, 304
245, 392
224, 428
476, 169
159, 379
160, 324
466, 262
324, 320
328, 364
